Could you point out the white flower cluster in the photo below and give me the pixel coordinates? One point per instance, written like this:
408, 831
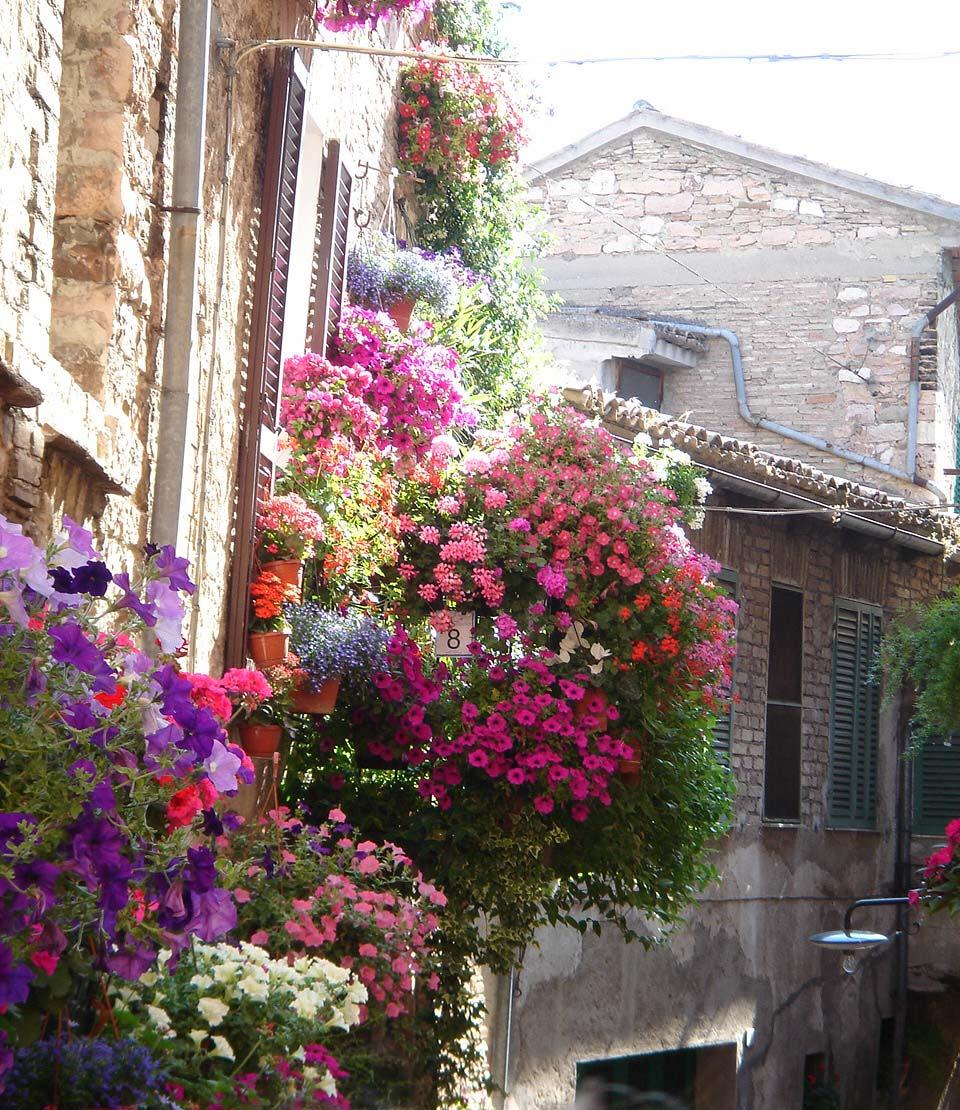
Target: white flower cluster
229, 979
574, 641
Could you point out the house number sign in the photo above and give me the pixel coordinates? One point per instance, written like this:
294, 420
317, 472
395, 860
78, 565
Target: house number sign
454, 640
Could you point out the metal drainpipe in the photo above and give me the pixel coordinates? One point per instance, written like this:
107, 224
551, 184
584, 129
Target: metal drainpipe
170, 520
743, 404
794, 433
913, 416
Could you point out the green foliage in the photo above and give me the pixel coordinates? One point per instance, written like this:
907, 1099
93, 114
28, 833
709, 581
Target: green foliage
497, 329
924, 650
469, 25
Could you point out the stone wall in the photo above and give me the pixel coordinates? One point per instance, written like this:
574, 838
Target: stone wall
822, 286
742, 972
88, 99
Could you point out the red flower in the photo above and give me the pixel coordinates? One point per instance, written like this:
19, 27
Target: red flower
111, 701
183, 807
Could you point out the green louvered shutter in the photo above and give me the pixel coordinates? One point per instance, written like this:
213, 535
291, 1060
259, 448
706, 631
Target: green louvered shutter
728, 581
854, 717
936, 786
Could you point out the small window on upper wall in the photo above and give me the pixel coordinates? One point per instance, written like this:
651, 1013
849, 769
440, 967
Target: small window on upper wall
783, 737
638, 382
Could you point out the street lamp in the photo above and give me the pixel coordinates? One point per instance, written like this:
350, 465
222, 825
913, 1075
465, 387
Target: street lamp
851, 942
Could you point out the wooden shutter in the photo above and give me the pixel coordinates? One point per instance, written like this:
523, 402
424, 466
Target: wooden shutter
854, 717
936, 786
258, 433
728, 581
330, 251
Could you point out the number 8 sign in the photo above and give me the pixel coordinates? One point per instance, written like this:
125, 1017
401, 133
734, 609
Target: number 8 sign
455, 639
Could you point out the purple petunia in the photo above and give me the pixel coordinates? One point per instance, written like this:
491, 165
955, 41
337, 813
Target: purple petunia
73, 648
173, 569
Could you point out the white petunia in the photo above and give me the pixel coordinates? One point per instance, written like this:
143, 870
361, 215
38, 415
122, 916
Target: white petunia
213, 1010
159, 1017
255, 988
221, 1047
201, 982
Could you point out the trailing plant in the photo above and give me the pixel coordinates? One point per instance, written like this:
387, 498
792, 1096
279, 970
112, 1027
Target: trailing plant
468, 25
923, 650
329, 644
85, 1072
380, 275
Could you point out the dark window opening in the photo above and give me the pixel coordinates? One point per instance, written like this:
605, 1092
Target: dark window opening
885, 1069
819, 1084
637, 382
783, 741
684, 1079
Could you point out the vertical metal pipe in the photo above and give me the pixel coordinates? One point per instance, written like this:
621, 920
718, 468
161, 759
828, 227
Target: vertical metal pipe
913, 414
170, 518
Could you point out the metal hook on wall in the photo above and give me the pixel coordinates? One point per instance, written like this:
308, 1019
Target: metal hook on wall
361, 218
365, 166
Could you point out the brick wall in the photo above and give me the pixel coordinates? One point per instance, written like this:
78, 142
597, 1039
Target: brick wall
87, 156
822, 286
825, 564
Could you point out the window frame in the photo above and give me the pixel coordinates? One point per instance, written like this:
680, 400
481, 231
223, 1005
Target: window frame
645, 368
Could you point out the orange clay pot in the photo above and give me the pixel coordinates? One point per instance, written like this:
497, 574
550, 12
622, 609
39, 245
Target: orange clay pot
267, 649
260, 740
319, 701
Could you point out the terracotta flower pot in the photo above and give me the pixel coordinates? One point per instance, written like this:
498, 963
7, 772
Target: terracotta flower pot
267, 649
400, 313
289, 571
629, 771
323, 700
260, 740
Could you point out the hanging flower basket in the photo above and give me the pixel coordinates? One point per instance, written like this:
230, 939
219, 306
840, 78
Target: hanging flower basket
267, 649
289, 571
319, 701
260, 740
401, 312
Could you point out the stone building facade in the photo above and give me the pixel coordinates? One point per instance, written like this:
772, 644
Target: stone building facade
89, 97
738, 1007
820, 274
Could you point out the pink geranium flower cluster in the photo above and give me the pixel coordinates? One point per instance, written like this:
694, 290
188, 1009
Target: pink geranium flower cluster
547, 738
456, 120
287, 528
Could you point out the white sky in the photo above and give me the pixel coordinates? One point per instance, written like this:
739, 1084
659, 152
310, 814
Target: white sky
896, 121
